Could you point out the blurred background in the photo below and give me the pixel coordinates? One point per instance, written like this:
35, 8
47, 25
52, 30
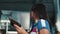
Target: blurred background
19, 10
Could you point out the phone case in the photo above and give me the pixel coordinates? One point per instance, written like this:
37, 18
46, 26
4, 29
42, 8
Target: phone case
14, 22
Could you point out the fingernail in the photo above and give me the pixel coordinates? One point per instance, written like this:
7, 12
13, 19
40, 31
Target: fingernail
14, 25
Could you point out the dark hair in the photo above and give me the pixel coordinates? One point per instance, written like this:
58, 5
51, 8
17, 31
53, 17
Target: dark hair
40, 11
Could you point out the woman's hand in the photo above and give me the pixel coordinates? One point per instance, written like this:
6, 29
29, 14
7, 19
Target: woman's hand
20, 30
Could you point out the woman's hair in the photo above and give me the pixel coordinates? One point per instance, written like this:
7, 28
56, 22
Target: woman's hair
40, 12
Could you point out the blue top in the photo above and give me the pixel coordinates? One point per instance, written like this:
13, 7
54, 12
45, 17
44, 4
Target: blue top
41, 24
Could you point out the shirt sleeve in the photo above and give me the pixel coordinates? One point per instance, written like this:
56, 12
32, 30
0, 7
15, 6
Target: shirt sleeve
43, 24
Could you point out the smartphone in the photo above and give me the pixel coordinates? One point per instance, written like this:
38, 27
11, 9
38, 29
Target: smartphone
14, 22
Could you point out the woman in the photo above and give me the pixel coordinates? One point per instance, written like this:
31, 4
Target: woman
41, 25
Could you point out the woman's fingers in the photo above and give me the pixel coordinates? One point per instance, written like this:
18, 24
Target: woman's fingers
16, 26
19, 29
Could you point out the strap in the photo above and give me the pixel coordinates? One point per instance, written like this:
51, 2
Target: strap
36, 30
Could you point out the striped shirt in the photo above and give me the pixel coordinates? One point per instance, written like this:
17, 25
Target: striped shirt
40, 25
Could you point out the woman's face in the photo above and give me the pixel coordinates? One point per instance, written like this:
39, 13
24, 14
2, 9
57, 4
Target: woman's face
32, 15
